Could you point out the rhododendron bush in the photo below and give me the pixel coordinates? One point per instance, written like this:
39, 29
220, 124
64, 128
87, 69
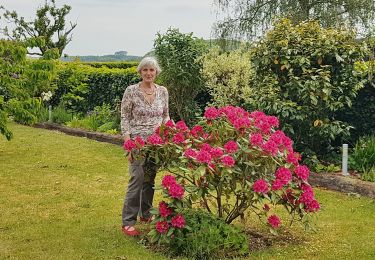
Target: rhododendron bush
230, 162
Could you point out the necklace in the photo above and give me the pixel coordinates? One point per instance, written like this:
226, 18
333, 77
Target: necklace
148, 93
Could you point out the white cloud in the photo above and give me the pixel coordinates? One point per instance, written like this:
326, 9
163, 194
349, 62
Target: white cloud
108, 26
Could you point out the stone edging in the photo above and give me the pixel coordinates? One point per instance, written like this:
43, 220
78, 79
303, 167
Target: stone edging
102, 137
330, 181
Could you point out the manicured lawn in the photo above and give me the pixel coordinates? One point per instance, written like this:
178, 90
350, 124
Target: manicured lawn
61, 198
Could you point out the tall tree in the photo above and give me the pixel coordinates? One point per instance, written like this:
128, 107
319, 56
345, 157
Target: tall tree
250, 18
49, 29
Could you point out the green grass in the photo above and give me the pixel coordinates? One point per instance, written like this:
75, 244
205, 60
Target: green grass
61, 198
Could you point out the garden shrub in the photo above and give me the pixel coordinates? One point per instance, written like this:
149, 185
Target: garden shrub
113, 65
227, 76
81, 87
179, 57
362, 158
208, 237
230, 162
21, 82
304, 74
361, 114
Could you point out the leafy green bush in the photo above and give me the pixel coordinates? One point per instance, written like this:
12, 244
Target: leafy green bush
227, 76
208, 238
179, 57
82, 88
363, 157
60, 115
101, 119
304, 74
113, 65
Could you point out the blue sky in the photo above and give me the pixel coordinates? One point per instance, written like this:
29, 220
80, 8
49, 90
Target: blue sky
106, 26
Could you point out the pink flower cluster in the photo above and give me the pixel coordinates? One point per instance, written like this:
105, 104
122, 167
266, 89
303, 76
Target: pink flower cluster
164, 210
283, 177
174, 189
307, 198
261, 186
167, 211
274, 221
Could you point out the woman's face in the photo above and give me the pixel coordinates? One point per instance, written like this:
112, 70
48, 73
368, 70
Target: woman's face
148, 74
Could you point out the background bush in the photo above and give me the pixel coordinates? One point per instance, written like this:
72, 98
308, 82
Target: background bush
303, 75
362, 158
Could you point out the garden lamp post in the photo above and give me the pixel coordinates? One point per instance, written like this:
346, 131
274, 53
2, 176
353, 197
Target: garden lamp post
345, 159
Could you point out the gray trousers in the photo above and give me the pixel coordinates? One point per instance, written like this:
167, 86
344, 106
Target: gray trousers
140, 194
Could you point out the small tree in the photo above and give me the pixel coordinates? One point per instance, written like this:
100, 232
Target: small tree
178, 55
49, 29
21, 83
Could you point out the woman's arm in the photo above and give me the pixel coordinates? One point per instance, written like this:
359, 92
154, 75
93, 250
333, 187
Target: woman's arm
126, 114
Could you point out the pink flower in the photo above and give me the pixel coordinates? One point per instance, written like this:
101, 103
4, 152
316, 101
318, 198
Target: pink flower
164, 210
256, 139
216, 152
170, 124
307, 194
176, 191
168, 180
206, 147
203, 156
302, 171
273, 121
178, 138
162, 227
178, 221
231, 146
190, 153
312, 206
274, 221
284, 175
211, 113
242, 122
293, 158
228, 161
155, 139
129, 145
196, 130
261, 186
139, 141
180, 125
277, 185
271, 147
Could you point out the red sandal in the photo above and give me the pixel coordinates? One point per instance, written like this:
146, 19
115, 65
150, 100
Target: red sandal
130, 231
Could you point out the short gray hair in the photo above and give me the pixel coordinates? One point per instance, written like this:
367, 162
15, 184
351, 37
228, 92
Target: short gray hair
149, 61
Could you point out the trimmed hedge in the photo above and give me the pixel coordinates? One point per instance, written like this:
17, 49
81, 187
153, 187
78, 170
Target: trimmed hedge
113, 65
81, 87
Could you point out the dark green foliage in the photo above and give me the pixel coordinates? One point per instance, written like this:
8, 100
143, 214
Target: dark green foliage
362, 158
81, 87
361, 115
113, 65
179, 57
303, 75
209, 238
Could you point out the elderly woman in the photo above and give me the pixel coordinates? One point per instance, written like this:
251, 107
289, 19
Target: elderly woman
144, 107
